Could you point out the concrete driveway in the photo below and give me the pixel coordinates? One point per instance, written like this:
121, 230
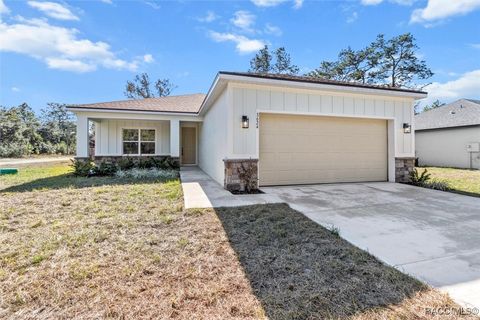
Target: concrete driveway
432, 235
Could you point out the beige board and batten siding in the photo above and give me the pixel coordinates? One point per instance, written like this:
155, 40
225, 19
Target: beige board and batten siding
212, 138
250, 99
297, 149
108, 133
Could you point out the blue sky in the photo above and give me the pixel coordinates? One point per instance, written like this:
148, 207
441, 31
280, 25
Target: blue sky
85, 51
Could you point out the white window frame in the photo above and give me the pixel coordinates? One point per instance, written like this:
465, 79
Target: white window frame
139, 141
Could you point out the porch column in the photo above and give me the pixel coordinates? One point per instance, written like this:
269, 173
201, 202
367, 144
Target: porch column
82, 136
175, 138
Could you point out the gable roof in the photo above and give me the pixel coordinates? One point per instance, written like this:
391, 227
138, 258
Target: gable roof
189, 103
306, 79
463, 112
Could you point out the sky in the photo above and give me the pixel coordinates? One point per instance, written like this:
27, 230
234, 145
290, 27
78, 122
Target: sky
84, 51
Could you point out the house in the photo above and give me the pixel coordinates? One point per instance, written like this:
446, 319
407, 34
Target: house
449, 136
288, 129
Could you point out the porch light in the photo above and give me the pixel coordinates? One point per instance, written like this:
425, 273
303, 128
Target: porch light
244, 122
407, 128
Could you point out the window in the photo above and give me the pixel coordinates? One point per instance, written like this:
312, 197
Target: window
138, 141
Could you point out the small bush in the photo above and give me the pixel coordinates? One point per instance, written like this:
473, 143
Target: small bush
106, 169
438, 185
125, 163
419, 179
151, 173
83, 168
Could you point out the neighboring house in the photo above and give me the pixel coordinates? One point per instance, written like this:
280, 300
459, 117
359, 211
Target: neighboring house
449, 136
293, 130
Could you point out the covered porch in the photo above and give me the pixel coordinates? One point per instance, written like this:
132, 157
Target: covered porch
120, 134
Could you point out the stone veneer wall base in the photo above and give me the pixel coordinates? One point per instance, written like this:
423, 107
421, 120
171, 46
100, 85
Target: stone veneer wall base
403, 168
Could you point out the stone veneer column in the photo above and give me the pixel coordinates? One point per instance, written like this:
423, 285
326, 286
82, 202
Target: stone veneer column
232, 181
403, 167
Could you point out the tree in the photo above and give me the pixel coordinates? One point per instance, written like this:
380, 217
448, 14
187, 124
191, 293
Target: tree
18, 131
393, 62
57, 126
283, 63
434, 105
399, 64
141, 87
263, 62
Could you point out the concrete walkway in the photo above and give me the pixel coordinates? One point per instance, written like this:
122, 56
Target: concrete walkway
432, 235
200, 191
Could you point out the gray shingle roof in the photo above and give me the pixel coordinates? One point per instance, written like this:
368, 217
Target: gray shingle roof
463, 112
189, 103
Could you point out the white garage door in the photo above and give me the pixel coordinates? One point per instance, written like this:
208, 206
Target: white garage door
311, 149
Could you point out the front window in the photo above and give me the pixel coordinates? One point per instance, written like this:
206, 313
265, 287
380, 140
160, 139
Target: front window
138, 141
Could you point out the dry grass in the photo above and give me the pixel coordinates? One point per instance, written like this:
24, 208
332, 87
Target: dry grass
300, 270
113, 248
460, 180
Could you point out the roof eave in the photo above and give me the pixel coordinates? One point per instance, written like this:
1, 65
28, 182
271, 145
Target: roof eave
113, 110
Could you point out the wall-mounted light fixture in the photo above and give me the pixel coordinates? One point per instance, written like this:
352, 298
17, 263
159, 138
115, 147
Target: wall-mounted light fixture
407, 128
245, 122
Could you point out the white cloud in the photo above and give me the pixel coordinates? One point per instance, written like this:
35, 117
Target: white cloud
53, 10
243, 44
3, 8
466, 86
209, 17
371, 2
476, 45
70, 65
107, 1
375, 2
297, 4
148, 58
267, 3
15, 89
59, 47
353, 17
441, 9
273, 30
243, 20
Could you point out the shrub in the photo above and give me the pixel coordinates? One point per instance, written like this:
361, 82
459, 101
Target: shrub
147, 174
106, 169
419, 179
438, 185
125, 163
83, 168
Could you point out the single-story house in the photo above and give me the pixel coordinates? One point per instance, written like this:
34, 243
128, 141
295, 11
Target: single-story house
449, 136
291, 129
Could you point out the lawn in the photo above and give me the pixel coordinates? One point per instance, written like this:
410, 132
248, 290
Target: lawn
461, 180
118, 248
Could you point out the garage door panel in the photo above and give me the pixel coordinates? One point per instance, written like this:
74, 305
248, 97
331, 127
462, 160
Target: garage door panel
309, 149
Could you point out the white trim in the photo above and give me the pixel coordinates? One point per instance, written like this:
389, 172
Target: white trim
332, 87
193, 115
139, 141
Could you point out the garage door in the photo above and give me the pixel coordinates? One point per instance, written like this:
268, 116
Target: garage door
310, 149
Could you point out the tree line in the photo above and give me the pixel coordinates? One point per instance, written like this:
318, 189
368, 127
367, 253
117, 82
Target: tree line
23, 132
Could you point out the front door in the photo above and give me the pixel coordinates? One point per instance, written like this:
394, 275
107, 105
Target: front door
189, 145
